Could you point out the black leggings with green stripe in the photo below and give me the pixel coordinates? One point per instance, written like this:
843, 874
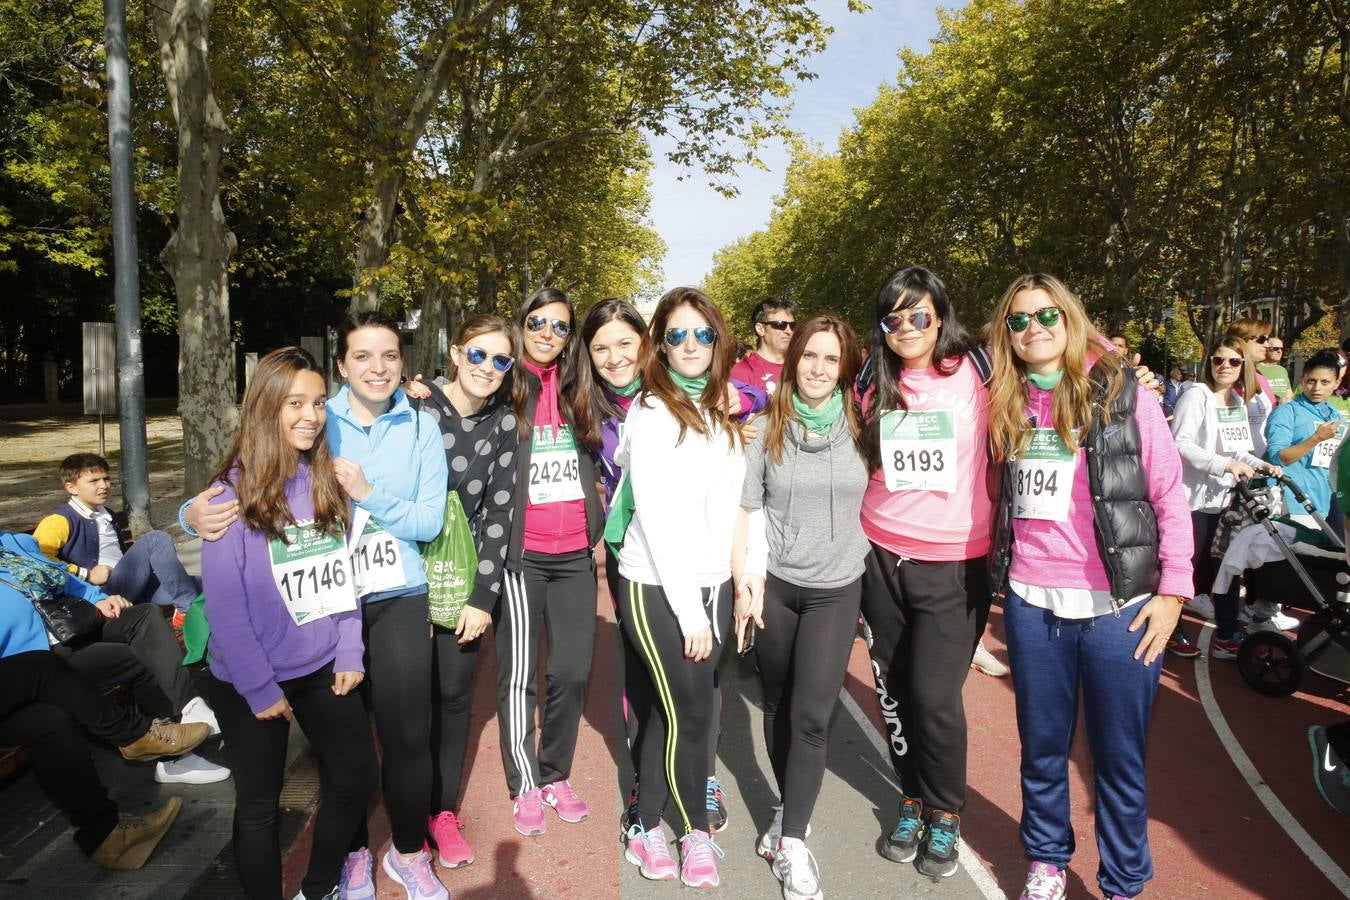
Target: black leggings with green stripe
674, 750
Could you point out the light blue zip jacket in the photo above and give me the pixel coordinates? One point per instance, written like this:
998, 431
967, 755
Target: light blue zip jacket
1289, 424
404, 460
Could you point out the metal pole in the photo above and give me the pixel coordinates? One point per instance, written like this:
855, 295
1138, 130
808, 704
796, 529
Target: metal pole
134, 470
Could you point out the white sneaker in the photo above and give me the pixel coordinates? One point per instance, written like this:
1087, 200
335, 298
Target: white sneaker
1202, 606
768, 841
189, 769
197, 711
1262, 609
794, 865
986, 663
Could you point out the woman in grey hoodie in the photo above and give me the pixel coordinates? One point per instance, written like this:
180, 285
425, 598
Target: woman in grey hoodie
804, 483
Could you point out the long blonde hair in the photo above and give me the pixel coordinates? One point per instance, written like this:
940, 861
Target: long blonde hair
1074, 398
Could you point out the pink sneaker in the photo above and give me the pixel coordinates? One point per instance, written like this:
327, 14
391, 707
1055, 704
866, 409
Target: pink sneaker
698, 867
648, 851
416, 876
451, 848
1044, 882
565, 802
528, 813
357, 881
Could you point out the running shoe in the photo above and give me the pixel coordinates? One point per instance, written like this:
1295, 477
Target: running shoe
768, 841
1330, 773
902, 844
796, 868
1181, 646
527, 812
941, 845
986, 663
1226, 648
416, 876
1201, 606
717, 808
189, 769
698, 863
452, 851
628, 818
648, 851
334, 894
565, 802
1044, 882
357, 881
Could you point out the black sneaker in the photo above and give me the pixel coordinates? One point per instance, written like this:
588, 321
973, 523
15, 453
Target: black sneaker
902, 844
717, 808
629, 816
1330, 773
941, 843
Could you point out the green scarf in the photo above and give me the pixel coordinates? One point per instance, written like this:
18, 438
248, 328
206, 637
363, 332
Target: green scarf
629, 390
1045, 382
819, 421
694, 387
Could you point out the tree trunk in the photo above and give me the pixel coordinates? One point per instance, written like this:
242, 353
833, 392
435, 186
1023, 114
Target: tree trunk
379, 233
426, 344
198, 253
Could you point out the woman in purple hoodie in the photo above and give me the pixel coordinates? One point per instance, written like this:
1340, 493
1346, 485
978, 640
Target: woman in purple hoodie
285, 626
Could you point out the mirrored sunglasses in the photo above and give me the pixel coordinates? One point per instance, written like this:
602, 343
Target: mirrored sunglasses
919, 320
537, 323
1047, 316
500, 361
704, 334
1219, 362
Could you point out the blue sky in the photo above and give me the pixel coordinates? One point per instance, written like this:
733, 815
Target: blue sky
696, 221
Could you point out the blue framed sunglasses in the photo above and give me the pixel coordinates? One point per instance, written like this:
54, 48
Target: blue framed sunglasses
500, 361
704, 334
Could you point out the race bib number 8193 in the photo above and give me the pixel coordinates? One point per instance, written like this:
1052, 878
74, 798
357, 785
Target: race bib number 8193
918, 450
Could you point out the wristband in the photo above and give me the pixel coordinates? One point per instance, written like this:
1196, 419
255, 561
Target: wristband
182, 521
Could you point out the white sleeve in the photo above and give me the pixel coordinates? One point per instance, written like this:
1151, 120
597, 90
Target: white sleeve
1187, 420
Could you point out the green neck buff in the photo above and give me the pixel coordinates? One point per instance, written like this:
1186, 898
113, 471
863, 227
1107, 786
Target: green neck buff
628, 390
819, 421
1045, 382
694, 387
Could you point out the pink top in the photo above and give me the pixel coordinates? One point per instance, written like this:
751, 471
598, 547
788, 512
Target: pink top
552, 527
933, 526
1064, 554
757, 371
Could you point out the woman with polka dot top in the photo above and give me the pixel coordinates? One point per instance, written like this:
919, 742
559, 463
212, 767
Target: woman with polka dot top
478, 423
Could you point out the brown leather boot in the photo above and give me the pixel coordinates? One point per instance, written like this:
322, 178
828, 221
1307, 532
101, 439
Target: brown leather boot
130, 844
164, 738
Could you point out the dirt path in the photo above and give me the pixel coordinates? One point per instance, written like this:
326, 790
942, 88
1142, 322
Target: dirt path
34, 440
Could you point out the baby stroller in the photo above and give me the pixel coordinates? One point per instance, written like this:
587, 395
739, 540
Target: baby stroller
1273, 663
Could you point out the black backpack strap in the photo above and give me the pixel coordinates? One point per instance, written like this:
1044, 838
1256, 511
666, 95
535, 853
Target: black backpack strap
983, 363
867, 375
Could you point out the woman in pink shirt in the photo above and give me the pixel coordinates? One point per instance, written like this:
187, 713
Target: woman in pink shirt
1092, 556
926, 513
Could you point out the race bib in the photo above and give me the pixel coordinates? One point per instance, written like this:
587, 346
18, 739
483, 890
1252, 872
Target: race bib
377, 563
555, 474
918, 450
1325, 452
1043, 478
312, 570
1235, 433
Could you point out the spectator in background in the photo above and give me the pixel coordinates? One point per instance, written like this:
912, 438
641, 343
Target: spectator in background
1123, 348
1263, 398
1177, 383
1274, 371
763, 367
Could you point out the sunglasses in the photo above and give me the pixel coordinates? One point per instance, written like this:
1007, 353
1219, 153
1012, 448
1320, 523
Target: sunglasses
1272, 348
1261, 339
780, 325
1047, 316
918, 320
537, 323
704, 334
1220, 362
500, 361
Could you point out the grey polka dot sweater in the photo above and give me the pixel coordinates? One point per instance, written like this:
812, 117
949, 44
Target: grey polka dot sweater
480, 451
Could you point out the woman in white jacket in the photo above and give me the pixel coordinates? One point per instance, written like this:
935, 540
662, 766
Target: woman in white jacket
1215, 440
682, 456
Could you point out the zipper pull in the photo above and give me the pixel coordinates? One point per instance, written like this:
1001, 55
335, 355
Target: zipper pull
1116, 606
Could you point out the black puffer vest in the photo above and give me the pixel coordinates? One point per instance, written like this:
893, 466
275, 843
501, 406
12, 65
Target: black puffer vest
1126, 526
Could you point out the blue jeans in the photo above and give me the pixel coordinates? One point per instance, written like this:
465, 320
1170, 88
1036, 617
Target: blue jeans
150, 570
1051, 659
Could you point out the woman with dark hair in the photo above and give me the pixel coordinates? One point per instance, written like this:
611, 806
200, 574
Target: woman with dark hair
612, 333
389, 459
473, 406
1091, 555
1303, 434
550, 573
285, 626
805, 476
682, 457
926, 513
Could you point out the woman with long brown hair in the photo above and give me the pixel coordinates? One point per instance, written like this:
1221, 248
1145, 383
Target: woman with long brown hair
682, 457
286, 627
801, 585
1091, 555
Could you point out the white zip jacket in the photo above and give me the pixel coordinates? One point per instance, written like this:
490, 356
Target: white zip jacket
1195, 427
686, 500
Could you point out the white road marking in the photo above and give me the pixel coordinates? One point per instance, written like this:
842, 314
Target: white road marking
1278, 811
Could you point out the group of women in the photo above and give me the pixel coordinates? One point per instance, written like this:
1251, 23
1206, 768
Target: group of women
913, 488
